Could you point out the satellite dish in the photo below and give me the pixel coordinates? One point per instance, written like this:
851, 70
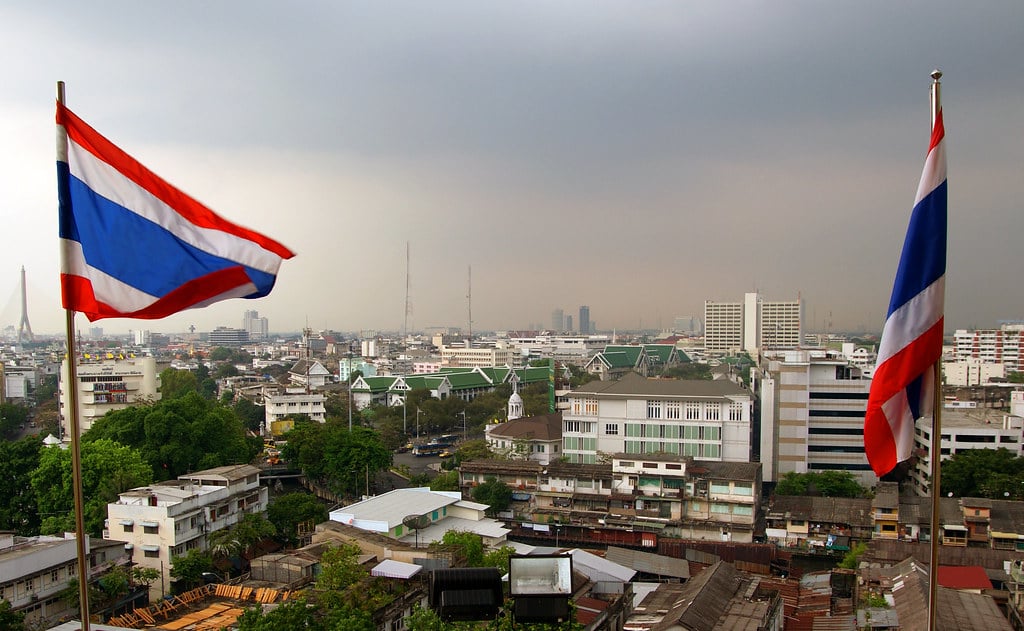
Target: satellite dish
416, 522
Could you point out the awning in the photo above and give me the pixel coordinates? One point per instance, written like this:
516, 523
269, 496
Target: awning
150, 548
126, 522
395, 569
955, 527
149, 524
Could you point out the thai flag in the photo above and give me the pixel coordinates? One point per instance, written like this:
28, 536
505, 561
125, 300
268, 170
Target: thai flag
903, 385
134, 246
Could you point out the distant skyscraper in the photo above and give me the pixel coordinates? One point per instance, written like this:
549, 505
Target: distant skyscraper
255, 326
568, 323
752, 324
557, 321
585, 320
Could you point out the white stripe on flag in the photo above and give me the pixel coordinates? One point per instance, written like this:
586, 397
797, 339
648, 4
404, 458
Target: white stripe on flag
910, 321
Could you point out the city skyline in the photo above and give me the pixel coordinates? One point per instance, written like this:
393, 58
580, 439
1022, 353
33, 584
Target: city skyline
638, 160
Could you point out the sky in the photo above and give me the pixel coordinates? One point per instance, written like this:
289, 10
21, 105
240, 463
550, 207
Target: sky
636, 157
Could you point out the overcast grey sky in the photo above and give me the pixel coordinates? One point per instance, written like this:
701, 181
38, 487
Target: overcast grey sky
638, 157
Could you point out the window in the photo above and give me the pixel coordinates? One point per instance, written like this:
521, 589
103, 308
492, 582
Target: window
672, 410
718, 488
674, 466
54, 576
692, 411
654, 409
717, 507
736, 411
152, 554
626, 464
712, 412
151, 530
590, 407
129, 528
611, 429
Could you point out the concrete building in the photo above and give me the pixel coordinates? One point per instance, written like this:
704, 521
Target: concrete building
708, 420
676, 496
112, 384
752, 325
226, 336
992, 346
963, 429
537, 438
442, 510
557, 321
278, 407
972, 372
462, 357
167, 519
585, 320
257, 328
812, 415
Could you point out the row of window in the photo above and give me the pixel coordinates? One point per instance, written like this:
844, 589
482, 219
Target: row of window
704, 451
686, 432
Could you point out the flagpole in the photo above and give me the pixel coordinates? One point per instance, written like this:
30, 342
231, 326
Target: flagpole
73, 426
936, 442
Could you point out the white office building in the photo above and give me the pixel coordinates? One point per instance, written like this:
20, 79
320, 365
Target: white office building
812, 415
462, 357
257, 327
752, 325
167, 519
707, 420
112, 384
278, 407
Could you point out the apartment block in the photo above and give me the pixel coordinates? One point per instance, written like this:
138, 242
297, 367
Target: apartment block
167, 519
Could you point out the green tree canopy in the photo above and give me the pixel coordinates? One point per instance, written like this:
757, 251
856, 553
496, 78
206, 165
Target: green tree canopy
187, 570
287, 511
189, 433
12, 416
176, 383
823, 483
991, 473
19, 509
343, 460
495, 494
107, 470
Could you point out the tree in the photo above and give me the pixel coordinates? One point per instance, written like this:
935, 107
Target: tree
824, 484
446, 481
187, 570
852, 557
495, 493
344, 460
19, 510
185, 434
467, 547
9, 619
107, 469
287, 511
251, 415
251, 530
476, 449
991, 473
176, 383
12, 416
688, 370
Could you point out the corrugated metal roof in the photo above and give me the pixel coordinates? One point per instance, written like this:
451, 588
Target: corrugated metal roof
649, 563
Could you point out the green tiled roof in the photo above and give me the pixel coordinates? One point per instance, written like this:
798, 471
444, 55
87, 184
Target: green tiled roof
422, 382
632, 352
617, 359
533, 374
497, 374
376, 384
468, 380
660, 353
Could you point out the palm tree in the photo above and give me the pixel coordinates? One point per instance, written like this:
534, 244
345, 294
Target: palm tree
223, 544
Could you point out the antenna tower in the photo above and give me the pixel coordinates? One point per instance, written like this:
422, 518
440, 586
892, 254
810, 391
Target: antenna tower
469, 300
408, 305
24, 328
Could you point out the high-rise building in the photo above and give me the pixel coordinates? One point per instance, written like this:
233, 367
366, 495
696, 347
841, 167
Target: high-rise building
585, 320
752, 324
812, 416
257, 327
1004, 345
568, 324
557, 321
226, 336
107, 385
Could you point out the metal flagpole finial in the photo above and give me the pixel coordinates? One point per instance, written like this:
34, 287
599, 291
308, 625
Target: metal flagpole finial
936, 74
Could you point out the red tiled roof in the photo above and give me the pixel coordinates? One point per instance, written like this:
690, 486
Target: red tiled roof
964, 577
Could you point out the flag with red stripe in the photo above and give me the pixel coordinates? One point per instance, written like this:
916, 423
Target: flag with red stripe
134, 246
903, 385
